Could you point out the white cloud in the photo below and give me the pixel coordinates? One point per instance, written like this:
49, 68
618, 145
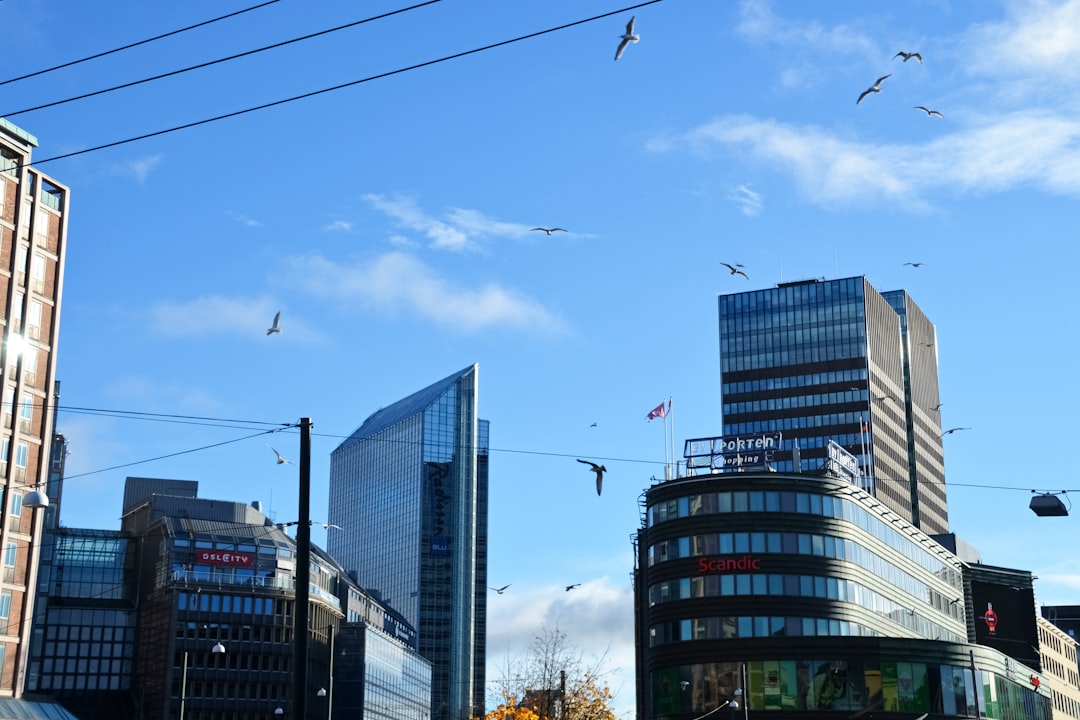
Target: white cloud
139, 168
459, 230
244, 219
1038, 38
214, 315
597, 619
1017, 149
398, 282
338, 226
748, 201
758, 23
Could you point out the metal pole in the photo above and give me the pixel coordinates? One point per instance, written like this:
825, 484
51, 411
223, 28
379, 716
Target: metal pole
330, 686
303, 578
183, 686
745, 694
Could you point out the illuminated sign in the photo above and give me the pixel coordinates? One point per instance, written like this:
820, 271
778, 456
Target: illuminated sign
732, 451
440, 546
224, 557
719, 565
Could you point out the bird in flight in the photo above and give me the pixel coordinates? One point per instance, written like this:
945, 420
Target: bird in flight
571, 587
915, 265
936, 407
735, 269
593, 425
280, 460
275, 327
626, 38
929, 112
599, 470
950, 431
879, 398
329, 526
549, 230
875, 88
908, 55
501, 590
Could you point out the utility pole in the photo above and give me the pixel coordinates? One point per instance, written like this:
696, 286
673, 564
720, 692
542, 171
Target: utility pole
303, 579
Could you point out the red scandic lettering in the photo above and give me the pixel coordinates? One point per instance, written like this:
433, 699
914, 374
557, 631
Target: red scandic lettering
746, 562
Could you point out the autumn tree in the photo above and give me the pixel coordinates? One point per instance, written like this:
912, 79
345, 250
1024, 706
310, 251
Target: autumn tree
554, 683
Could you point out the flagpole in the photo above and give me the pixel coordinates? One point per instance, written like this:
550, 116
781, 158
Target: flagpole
675, 465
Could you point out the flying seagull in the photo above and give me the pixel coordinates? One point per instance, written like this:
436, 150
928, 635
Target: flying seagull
571, 587
330, 526
275, 328
501, 590
936, 407
599, 470
915, 265
735, 269
950, 431
626, 38
280, 460
929, 112
875, 88
907, 56
549, 230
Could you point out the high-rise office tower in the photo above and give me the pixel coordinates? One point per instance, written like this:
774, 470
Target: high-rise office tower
409, 489
838, 361
33, 239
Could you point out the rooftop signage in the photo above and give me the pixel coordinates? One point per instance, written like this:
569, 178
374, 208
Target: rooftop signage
843, 463
224, 557
731, 451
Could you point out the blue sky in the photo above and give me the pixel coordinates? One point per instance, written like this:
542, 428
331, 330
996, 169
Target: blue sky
390, 223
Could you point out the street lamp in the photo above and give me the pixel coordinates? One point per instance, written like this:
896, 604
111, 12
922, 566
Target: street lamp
218, 649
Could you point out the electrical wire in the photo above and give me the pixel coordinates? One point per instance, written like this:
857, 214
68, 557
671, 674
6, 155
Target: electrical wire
281, 427
169, 455
342, 86
135, 44
218, 61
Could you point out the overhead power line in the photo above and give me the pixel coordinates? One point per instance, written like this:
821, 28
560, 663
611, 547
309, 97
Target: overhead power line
280, 427
136, 44
210, 63
390, 73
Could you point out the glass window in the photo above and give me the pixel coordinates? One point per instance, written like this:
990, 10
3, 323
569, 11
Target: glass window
16, 504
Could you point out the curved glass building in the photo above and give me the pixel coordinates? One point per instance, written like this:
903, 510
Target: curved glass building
761, 594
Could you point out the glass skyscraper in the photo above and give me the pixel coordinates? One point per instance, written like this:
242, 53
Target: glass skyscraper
409, 489
838, 361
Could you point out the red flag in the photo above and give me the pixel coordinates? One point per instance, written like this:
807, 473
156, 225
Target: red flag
657, 412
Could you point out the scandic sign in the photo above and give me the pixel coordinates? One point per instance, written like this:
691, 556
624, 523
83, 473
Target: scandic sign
224, 557
711, 565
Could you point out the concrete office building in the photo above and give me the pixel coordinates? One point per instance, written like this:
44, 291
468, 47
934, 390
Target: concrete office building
33, 241
1059, 662
410, 489
187, 612
838, 361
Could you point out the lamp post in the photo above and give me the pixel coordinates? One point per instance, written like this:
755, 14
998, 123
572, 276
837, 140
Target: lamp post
303, 578
218, 649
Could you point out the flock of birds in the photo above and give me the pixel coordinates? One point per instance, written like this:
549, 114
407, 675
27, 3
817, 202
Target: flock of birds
876, 87
629, 36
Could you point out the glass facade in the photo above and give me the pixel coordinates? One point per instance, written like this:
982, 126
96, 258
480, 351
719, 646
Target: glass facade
796, 593
409, 489
860, 684
837, 361
84, 632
